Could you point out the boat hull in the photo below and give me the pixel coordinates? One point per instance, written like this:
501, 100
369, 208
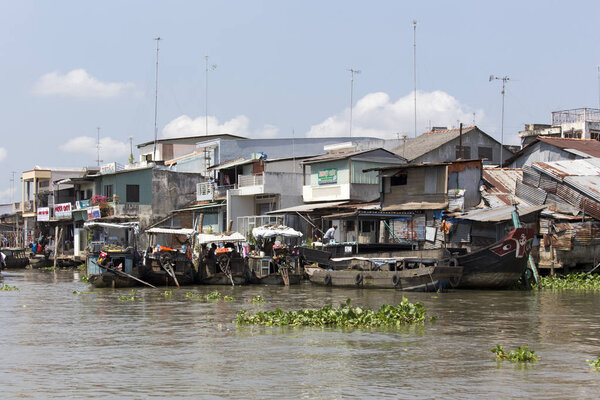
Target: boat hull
424, 279
498, 266
275, 279
222, 279
110, 280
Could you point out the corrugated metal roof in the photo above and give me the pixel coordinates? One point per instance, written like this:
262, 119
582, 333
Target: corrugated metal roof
498, 214
589, 147
429, 141
560, 169
502, 180
307, 207
530, 194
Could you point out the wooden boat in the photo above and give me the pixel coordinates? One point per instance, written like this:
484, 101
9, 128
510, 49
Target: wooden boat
15, 258
109, 264
408, 274
278, 265
222, 265
498, 266
165, 264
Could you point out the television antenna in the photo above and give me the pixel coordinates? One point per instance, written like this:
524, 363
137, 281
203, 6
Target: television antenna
158, 39
352, 73
211, 68
415, 69
98, 160
504, 79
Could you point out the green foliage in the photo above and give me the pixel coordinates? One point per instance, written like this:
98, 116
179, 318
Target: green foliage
81, 267
7, 288
215, 295
167, 293
47, 268
77, 292
228, 298
343, 316
594, 363
580, 281
258, 299
85, 279
129, 297
518, 355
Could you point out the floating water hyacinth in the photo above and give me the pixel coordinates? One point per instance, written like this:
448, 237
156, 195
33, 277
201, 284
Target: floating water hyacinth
130, 297
595, 364
343, 316
258, 299
215, 295
581, 281
518, 355
7, 288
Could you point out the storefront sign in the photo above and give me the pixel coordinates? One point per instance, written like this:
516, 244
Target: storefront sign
81, 204
108, 168
43, 214
93, 212
62, 210
327, 176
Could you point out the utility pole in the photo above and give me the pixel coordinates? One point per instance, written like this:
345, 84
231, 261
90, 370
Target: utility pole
415, 69
158, 39
211, 68
352, 73
504, 80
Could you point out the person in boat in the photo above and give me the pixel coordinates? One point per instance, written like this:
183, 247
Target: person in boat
211, 252
329, 235
2, 261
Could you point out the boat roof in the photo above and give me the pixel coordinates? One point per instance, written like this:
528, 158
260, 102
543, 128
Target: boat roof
205, 238
172, 231
270, 231
124, 225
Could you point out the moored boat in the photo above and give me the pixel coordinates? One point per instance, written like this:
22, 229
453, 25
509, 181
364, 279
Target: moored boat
14, 257
408, 274
221, 260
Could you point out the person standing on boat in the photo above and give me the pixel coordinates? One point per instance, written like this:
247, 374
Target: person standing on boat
329, 235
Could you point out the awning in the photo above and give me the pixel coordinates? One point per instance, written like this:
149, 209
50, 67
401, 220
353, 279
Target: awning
231, 164
126, 225
372, 215
498, 214
307, 207
416, 205
201, 207
220, 237
270, 231
170, 231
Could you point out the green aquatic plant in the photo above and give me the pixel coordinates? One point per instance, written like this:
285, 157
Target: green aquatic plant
7, 288
85, 279
228, 298
77, 292
167, 293
129, 297
343, 316
518, 355
258, 299
595, 364
215, 295
81, 267
47, 268
190, 295
579, 281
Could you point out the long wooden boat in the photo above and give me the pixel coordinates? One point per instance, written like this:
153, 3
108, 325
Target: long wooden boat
15, 258
498, 266
268, 271
222, 265
409, 274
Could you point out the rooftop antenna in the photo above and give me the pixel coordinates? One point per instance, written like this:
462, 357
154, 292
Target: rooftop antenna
130, 149
504, 79
158, 39
598, 85
211, 68
415, 68
98, 160
12, 188
352, 73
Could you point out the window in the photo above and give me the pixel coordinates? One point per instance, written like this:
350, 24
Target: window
466, 152
108, 190
132, 194
88, 194
399, 179
367, 226
485, 152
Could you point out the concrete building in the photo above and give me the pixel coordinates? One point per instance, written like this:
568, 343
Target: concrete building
546, 149
339, 175
170, 148
448, 145
578, 123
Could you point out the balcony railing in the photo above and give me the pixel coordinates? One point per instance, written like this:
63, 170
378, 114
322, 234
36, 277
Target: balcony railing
250, 180
207, 191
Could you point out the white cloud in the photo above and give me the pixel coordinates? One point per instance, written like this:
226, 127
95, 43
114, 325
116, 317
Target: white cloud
78, 83
2, 154
376, 115
240, 125
110, 149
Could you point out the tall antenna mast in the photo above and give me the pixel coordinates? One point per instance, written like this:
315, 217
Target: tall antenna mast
599, 86
415, 69
504, 80
211, 68
156, 102
352, 73
98, 160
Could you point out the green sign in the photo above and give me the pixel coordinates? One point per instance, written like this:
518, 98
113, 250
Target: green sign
328, 176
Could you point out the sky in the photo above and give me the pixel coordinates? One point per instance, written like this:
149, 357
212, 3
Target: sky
277, 69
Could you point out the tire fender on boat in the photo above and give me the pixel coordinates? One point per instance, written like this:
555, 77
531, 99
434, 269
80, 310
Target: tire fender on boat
396, 280
453, 262
358, 279
327, 280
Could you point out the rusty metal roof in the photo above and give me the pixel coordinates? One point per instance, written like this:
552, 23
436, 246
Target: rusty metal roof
500, 186
589, 147
561, 169
498, 214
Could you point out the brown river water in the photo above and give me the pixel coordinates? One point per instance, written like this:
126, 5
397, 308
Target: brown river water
55, 344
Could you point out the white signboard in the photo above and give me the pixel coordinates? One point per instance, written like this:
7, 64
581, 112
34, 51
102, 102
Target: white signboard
62, 210
430, 232
43, 214
93, 212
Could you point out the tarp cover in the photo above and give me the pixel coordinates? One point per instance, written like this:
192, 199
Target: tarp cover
270, 231
220, 237
169, 231
126, 225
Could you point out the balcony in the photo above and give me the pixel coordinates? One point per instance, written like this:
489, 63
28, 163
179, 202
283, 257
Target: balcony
207, 191
250, 180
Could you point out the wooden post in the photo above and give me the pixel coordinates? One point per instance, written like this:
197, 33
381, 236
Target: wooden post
230, 225
55, 245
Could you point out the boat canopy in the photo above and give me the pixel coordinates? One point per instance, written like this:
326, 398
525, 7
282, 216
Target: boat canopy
270, 231
204, 238
125, 225
171, 231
